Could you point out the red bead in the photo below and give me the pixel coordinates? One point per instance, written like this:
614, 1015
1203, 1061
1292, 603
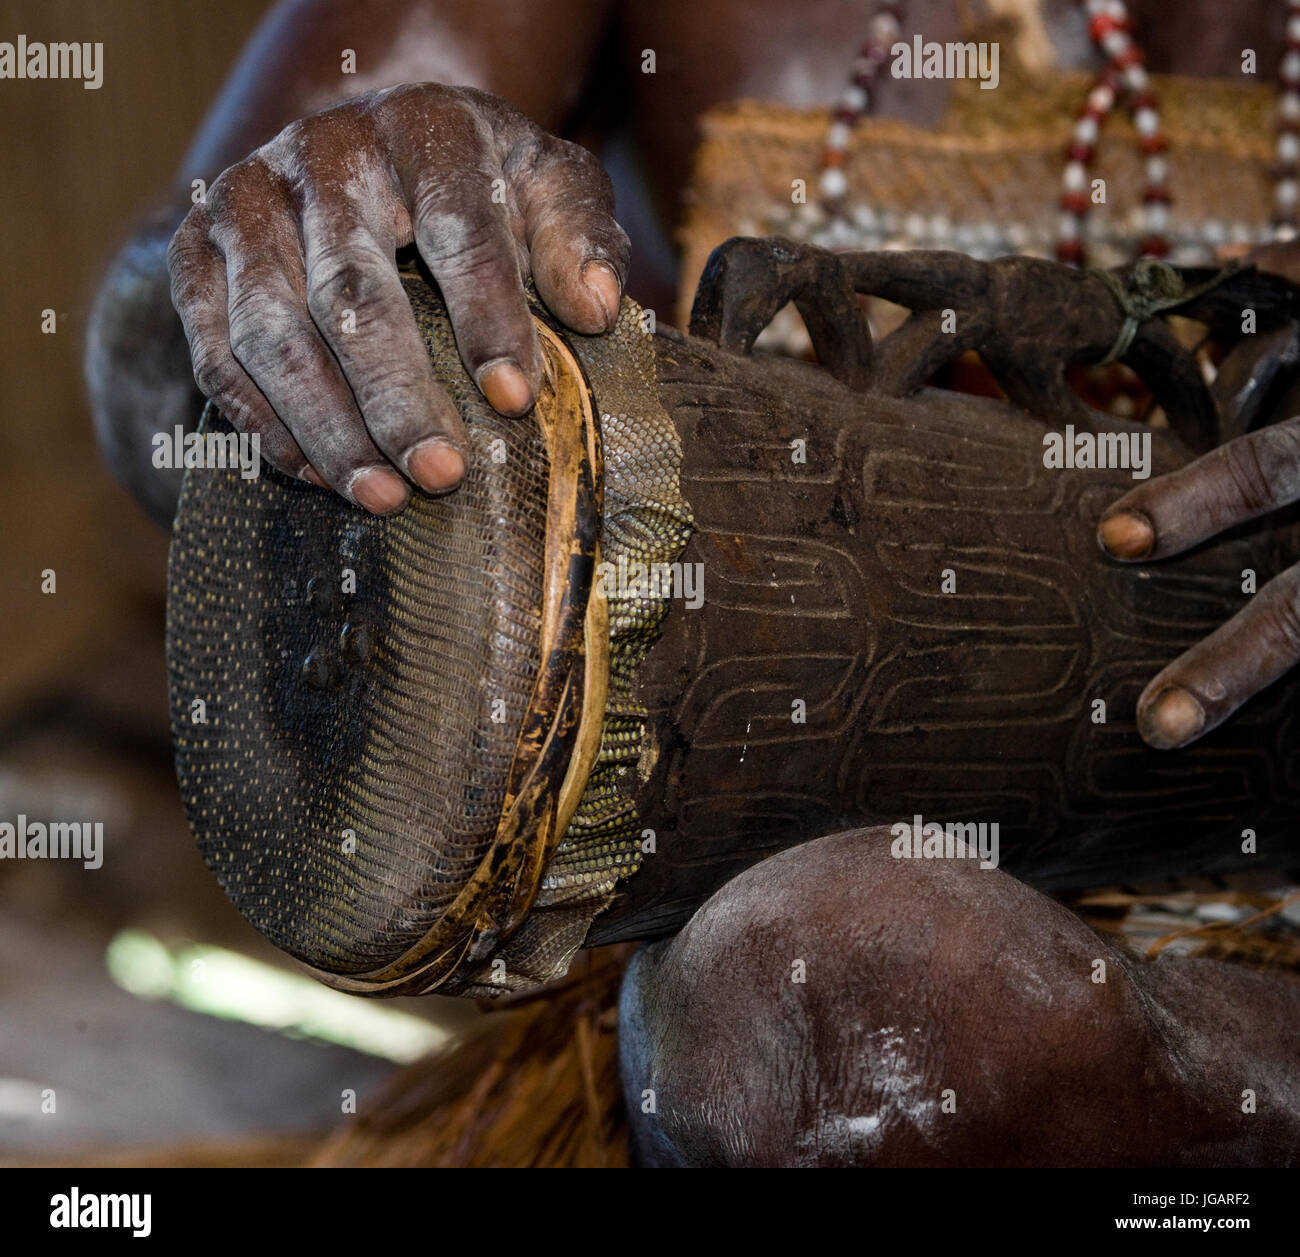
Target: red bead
1156, 195
1144, 100
1074, 202
1070, 252
1102, 25
1153, 144
1081, 153
1155, 247
1131, 56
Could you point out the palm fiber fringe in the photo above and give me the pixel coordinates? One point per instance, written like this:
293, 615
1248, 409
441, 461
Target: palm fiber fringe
536, 1086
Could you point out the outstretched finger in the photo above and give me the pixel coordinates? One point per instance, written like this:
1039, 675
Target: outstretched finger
1204, 686
1242, 480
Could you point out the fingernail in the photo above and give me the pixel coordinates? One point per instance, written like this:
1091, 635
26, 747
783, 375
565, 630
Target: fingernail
310, 474
1173, 718
380, 492
604, 286
505, 386
435, 465
1127, 535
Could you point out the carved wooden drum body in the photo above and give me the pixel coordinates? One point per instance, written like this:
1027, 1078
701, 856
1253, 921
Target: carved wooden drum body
697, 607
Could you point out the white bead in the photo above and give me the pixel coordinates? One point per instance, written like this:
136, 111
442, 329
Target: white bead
1085, 131
1115, 9
1096, 7
862, 67
1147, 122
1101, 99
883, 29
838, 136
1018, 236
854, 98
914, 227
940, 230
1289, 106
1291, 65
1076, 178
866, 218
1069, 226
1288, 148
1157, 170
1238, 233
833, 184
1135, 78
1287, 195
1157, 218
1114, 43
811, 214
1293, 28
842, 233
1213, 232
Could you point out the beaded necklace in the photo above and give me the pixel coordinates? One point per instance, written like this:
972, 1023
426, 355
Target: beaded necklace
832, 222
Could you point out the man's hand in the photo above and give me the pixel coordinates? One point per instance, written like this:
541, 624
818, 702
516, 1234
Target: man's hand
286, 283
1237, 482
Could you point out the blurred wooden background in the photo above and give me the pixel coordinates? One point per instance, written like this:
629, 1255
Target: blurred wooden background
83, 711
80, 167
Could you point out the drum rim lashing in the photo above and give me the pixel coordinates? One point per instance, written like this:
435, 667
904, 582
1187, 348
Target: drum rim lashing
560, 732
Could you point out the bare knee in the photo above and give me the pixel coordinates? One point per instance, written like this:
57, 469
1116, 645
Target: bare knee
836, 1005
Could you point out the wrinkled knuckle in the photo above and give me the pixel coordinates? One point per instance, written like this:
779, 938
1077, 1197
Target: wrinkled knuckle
1248, 476
283, 150
466, 245
344, 281
215, 373
1284, 616
582, 162
404, 99
189, 247
236, 186
1277, 452
256, 324
388, 387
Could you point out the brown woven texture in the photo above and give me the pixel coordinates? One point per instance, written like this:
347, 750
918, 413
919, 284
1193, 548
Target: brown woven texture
998, 157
